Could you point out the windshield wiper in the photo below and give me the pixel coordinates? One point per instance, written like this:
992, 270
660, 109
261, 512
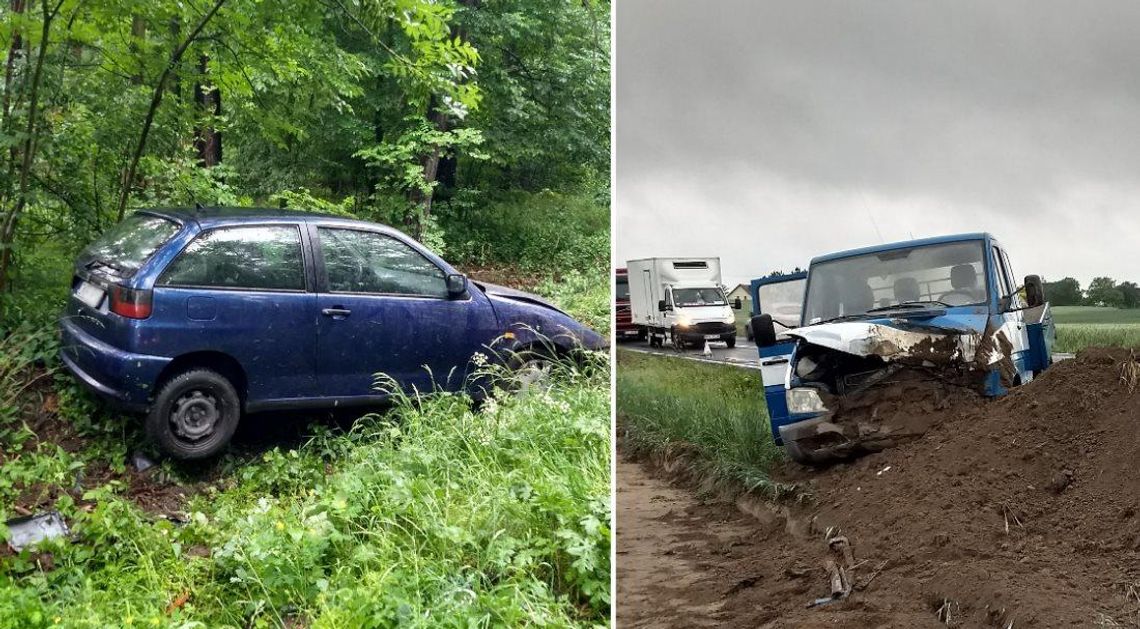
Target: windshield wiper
910, 304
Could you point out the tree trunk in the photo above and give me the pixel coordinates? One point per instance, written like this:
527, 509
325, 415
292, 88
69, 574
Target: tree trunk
207, 139
155, 101
27, 151
138, 32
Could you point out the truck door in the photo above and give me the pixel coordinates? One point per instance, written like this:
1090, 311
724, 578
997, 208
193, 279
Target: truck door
782, 297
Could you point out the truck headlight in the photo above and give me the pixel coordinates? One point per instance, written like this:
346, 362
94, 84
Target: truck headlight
804, 400
683, 321
731, 318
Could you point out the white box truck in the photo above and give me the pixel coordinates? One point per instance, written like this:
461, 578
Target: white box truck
681, 300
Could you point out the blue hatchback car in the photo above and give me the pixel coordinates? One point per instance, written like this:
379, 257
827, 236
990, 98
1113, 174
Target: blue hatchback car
198, 316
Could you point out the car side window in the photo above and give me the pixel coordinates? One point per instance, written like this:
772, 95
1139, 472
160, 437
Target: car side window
255, 257
370, 262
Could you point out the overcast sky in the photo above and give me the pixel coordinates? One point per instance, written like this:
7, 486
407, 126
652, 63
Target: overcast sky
769, 132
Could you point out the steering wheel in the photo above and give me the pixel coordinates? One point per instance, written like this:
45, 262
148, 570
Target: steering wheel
958, 297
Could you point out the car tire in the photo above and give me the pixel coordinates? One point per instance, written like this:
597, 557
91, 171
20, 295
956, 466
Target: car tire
748, 331
194, 415
730, 342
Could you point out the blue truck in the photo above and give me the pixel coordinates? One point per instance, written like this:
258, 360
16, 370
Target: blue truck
866, 314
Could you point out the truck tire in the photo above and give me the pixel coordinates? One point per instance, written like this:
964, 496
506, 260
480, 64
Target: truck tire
730, 341
194, 415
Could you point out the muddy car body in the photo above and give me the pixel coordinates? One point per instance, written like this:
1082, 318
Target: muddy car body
197, 316
946, 309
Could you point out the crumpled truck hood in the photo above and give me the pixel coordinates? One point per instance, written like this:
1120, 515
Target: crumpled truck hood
945, 338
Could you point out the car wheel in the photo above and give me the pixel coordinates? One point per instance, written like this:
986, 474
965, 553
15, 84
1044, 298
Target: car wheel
194, 415
532, 372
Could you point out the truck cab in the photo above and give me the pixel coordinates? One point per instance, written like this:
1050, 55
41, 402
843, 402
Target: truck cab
681, 301
949, 302
624, 327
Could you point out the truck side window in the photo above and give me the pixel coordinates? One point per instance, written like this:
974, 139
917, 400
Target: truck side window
1002, 273
1016, 302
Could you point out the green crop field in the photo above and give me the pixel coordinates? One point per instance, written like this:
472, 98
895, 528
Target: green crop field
1088, 326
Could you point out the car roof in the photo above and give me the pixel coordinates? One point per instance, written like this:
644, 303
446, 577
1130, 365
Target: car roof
904, 244
213, 216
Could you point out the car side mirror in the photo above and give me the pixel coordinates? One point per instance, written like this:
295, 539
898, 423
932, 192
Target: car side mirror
662, 306
1034, 291
763, 330
456, 285
737, 304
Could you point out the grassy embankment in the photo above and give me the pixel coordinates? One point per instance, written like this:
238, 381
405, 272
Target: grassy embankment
714, 412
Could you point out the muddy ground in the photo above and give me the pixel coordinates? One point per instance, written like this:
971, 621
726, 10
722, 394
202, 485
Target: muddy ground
1018, 512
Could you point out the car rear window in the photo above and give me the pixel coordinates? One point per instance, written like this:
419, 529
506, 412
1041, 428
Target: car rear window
126, 246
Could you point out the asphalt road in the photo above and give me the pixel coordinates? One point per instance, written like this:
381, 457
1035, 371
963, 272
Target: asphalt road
743, 355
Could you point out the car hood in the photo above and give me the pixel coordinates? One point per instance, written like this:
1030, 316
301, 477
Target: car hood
941, 338
496, 290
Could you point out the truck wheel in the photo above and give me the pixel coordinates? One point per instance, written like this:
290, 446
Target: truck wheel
641, 334
730, 341
194, 415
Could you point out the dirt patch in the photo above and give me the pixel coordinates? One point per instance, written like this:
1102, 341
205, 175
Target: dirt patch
154, 491
1019, 511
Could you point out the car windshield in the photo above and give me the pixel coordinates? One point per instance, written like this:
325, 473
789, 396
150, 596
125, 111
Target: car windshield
622, 289
698, 297
950, 274
126, 246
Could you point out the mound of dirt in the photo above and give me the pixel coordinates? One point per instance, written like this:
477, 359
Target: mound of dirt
1020, 511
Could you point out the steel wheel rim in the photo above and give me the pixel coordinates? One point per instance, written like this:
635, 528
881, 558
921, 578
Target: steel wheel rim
195, 416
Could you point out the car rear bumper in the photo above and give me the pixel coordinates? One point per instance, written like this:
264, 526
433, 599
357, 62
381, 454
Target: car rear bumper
124, 378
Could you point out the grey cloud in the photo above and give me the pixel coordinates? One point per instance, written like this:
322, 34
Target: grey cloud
1023, 116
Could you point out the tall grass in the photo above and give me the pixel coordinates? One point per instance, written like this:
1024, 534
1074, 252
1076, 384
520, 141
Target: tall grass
718, 411
434, 514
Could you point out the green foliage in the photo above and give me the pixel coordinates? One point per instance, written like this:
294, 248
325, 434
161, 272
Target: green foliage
1064, 292
546, 230
1102, 291
433, 514
585, 296
718, 411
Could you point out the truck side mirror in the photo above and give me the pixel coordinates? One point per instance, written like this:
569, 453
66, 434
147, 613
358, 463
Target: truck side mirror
1034, 290
737, 304
662, 306
763, 330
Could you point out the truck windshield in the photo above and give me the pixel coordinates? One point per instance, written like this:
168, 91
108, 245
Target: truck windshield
622, 289
126, 246
951, 274
698, 297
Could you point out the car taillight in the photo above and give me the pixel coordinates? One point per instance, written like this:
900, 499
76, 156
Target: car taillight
129, 302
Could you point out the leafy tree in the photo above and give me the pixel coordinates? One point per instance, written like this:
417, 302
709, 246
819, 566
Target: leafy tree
1103, 291
1130, 294
1064, 292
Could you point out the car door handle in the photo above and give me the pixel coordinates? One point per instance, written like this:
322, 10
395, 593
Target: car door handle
336, 312
774, 361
